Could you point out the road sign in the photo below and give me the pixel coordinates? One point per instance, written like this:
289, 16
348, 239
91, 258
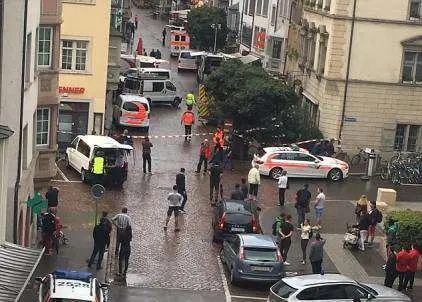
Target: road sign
97, 191
36, 203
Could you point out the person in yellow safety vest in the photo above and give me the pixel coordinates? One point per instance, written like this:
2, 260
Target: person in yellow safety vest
220, 135
98, 167
190, 99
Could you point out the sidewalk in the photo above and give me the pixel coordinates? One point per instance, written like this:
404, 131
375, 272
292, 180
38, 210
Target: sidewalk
362, 266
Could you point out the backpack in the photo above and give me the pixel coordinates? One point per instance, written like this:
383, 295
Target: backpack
379, 216
48, 223
188, 118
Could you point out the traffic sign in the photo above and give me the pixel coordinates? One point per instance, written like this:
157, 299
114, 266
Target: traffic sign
97, 191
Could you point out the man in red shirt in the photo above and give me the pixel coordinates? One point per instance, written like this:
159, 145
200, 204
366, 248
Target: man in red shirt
411, 268
403, 260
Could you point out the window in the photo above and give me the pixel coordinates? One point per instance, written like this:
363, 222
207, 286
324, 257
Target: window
251, 7
311, 51
83, 148
355, 292
331, 292
407, 138
265, 8
305, 157
277, 46
258, 10
321, 56
412, 67
157, 86
307, 294
273, 15
170, 86
176, 38
415, 9
45, 38
98, 122
43, 126
74, 143
245, 6
28, 56
304, 46
74, 55
246, 38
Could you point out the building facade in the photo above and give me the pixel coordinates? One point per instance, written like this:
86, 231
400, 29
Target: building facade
48, 58
360, 67
83, 68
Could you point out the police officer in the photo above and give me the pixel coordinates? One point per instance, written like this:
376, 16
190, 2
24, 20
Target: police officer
190, 99
98, 167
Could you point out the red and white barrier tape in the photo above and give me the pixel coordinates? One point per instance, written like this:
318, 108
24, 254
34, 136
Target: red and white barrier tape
155, 136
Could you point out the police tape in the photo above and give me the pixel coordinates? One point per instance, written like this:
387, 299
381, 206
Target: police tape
153, 136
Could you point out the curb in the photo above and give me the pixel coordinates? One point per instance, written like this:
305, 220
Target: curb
110, 258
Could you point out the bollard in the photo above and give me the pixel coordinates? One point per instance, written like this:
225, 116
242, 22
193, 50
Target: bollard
371, 164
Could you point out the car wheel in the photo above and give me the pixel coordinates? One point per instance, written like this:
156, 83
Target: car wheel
275, 173
176, 102
335, 175
222, 258
83, 175
233, 279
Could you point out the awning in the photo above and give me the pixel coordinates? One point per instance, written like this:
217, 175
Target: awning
17, 264
310, 97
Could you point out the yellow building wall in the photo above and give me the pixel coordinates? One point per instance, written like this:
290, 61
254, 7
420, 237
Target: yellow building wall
90, 21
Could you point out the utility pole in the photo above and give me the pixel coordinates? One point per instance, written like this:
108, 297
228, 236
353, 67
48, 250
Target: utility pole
215, 27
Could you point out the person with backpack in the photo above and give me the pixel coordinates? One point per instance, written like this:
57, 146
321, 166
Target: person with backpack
303, 198
188, 119
48, 228
376, 217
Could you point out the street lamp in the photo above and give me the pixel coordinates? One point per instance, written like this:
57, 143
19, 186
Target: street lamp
215, 27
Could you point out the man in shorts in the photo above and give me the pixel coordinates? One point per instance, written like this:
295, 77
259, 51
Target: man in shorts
175, 202
319, 207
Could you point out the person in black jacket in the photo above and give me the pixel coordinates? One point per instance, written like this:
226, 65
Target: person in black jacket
101, 240
52, 197
125, 249
390, 270
303, 198
181, 188
364, 223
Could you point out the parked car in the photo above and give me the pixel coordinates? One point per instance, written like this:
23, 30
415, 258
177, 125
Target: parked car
252, 257
331, 287
131, 110
299, 162
65, 285
81, 152
233, 217
158, 72
187, 60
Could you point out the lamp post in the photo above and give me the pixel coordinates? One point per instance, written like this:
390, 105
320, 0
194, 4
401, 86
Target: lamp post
216, 27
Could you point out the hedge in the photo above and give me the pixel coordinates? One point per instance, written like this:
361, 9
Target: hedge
409, 228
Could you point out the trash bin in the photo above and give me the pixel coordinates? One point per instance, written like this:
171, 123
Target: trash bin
372, 163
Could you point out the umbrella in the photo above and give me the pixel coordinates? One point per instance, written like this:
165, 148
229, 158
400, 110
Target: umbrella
139, 48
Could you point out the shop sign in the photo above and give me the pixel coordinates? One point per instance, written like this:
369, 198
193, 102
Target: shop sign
72, 90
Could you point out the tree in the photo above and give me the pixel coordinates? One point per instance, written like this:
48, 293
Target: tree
200, 29
246, 94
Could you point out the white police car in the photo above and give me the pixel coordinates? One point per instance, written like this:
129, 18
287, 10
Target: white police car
71, 286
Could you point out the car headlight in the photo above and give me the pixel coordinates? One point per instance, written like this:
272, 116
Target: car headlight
344, 166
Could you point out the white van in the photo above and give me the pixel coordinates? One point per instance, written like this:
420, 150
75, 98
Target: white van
161, 91
80, 154
131, 110
188, 60
159, 72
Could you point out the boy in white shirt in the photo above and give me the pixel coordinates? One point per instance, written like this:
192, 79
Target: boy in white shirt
319, 206
282, 186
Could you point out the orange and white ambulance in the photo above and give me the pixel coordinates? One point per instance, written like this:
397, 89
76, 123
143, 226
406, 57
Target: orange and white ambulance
179, 40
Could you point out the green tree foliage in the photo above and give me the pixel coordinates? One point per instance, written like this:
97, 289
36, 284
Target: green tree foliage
409, 229
200, 31
246, 94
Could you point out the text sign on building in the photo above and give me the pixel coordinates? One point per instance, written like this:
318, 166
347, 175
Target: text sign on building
72, 90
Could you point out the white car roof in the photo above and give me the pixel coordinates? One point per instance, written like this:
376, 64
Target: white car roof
275, 149
72, 289
103, 142
149, 69
316, 279
133, 97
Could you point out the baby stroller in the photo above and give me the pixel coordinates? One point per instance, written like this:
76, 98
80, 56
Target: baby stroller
59, 237
351, 238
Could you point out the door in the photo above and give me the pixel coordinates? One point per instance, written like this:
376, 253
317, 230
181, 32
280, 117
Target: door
82, 156
72, 152
309, 166
158, 92
233, 246
285, 161
324, 293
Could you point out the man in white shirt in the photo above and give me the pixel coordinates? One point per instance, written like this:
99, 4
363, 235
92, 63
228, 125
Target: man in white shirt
175, 200
282, 186
319, 207
121, 221
254, 180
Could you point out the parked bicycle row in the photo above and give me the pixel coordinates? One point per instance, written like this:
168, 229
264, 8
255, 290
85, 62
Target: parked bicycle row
403, 169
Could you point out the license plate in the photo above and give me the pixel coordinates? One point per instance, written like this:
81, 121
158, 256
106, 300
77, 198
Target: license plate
261, 268
238, 230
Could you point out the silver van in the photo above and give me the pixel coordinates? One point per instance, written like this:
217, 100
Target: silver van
161, 91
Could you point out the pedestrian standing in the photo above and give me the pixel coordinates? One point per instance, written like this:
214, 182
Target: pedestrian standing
361, 204
181, 188
282, 187
125, 250
237, 194
101, 240
146, 154
303, 198
144, 53
158, 54
390, 270
136, 21
316, 254
286, 231
319, 207
254, 179
218, 154
244, 187
52, 197
48, 228
175, 201
215, 179
190, 99
218, 137
412, 267
152, 53
164, 36
188, 120
107, 222
121, 221
376, 217
305, 235
363, 225
204, 155
391, 235
402, 262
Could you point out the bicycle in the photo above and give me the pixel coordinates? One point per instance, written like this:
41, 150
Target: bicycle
341, 155
361, 156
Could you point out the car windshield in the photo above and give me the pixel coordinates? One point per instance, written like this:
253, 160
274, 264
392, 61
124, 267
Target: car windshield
260, 254
132, 106
238, 218
185, 55
283, 290
319, 157
369, 289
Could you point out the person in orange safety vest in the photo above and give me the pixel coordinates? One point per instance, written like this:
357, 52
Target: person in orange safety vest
220, 135
188, 119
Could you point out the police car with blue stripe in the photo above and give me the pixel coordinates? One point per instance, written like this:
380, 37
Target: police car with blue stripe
71, 286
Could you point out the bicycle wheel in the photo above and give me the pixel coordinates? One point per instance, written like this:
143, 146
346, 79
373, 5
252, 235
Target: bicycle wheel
355, 160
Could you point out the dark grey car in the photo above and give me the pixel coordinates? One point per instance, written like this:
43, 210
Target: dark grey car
252, 257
